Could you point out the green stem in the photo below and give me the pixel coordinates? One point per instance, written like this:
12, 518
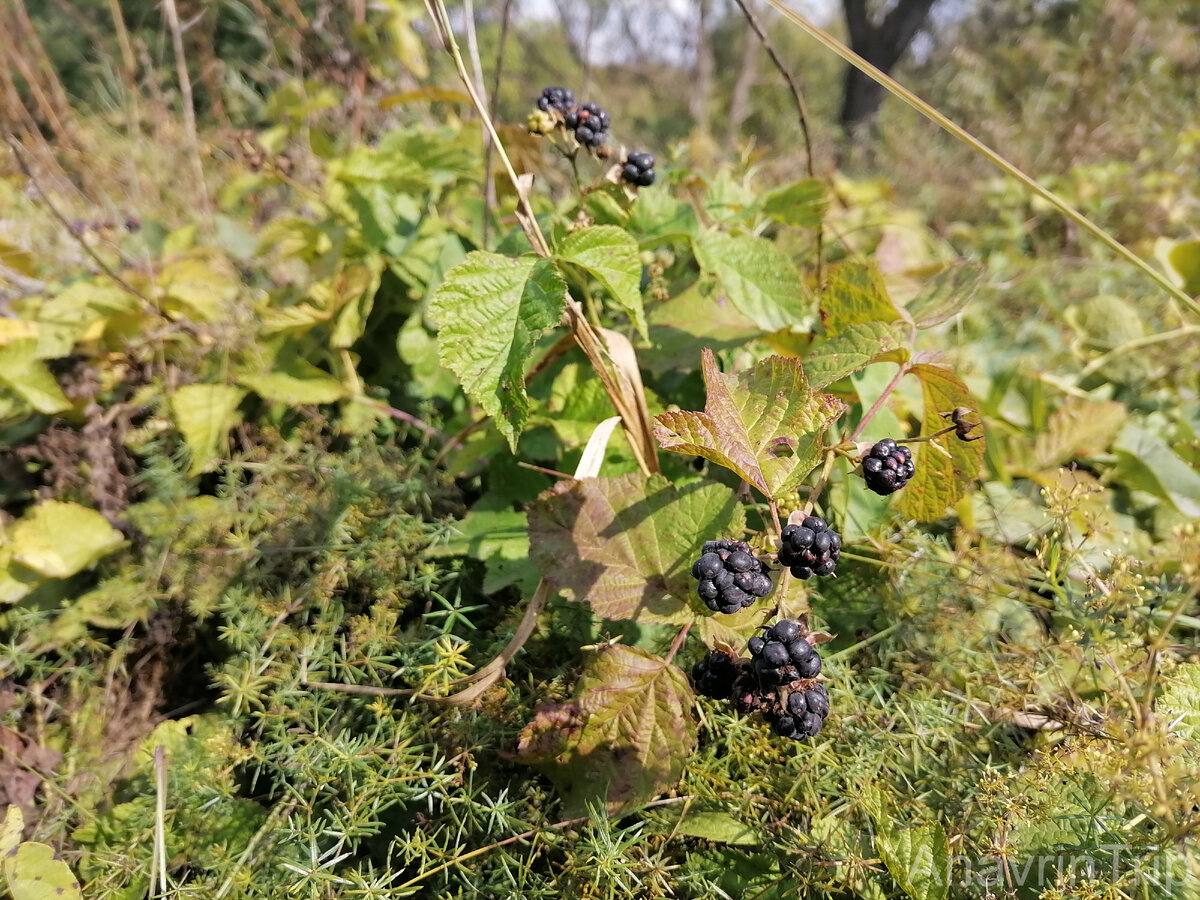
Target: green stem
833, 44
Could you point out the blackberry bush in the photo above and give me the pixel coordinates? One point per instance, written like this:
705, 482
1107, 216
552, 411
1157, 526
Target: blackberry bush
810, 548
730, 576
638, 168
887, 467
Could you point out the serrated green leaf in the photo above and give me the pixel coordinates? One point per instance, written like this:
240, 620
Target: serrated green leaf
946, 294
611, 256
624, 738
918, 859
57, 539
855, 294
625, 544
34, 874
942, 479
296, 381
490, 311
28, 376
658, 218
854, 348
1180, 702
757, 277
765, 424
204, 413
1076, 428
801, 203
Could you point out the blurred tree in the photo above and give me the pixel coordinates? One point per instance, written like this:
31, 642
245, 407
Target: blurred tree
881, 41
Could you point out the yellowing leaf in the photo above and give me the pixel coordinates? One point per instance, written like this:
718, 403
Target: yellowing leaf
296, 381
856, 294
1079, 426
1184, 258
57, 539
34, 874
624, 738
942, 478
765, 424
200, 286
204, 413
625, 545
10, 830
28, 376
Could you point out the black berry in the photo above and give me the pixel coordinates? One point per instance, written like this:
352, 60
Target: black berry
810, 548
557, 98
776, 681
729, 576
638, 168
887, 467
713, 676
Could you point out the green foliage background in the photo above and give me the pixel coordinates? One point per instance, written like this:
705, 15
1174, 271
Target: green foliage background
252, 516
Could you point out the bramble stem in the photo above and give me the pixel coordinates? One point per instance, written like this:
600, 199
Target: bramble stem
775, 515
678, 642
919, 439
887, 392
830, 456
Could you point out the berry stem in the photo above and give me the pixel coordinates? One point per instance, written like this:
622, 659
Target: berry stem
826, 470
678, 642
928, 437
875, 407
775, 515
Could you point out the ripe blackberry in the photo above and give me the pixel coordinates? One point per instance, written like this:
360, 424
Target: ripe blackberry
713, 676
556, 98
776, 681
730, 577
887, 467
638, 168
589, 122
810, 548
782, 655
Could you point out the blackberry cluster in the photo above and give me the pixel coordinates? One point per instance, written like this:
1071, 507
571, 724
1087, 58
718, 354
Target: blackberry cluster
556, 98
638, 168
777, 681
731, 577
714, 675
887, 467
803, 714
810, 548
782, 655
589, 122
